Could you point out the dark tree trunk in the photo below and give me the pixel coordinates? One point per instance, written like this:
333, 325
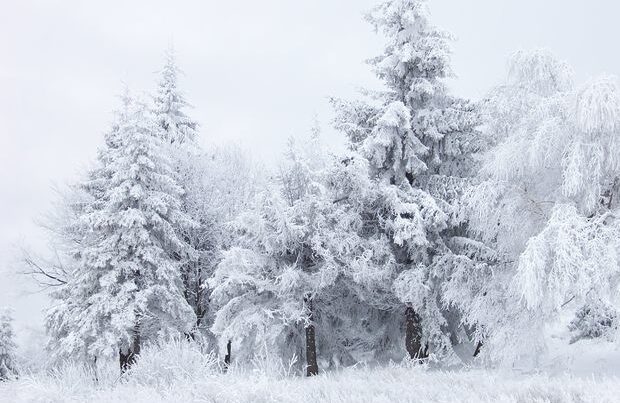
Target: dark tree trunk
312, 367
193, 293
478, 347
95, 371
413, 335
227, 356
128, 358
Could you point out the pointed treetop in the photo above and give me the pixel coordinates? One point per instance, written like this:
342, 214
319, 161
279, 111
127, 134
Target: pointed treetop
126, 99
169, 104
417, 53
170, 71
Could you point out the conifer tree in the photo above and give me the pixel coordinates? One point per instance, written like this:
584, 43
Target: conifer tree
264, 286
277, 289
71, 235
8, 360
126, 289
420, 142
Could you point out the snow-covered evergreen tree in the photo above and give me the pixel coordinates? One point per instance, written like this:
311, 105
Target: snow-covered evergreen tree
265, 287
280, 289
547, 204
127, 288
8, 360
420, 142
70, 235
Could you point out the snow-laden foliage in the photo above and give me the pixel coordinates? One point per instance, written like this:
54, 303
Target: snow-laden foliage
434, 131
221, 183
300, 260
67, 233
281, 264
126, 287
546, 203
594, 320
421, 144
8, 359
163, 365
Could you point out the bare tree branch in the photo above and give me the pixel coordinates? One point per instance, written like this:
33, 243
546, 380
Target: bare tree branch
46, 275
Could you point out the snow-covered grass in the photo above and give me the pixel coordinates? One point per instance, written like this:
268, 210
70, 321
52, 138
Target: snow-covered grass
180, 373
353, 385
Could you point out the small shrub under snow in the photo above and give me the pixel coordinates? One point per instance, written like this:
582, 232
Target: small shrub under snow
594, 320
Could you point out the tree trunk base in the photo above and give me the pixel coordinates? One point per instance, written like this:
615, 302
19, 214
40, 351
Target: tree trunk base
228, 356
413, 335
312, 367
127, 359
478, 348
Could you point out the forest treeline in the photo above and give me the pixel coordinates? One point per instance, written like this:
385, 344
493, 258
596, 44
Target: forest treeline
449, 230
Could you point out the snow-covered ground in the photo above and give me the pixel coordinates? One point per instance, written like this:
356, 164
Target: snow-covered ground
352, 385
181, 374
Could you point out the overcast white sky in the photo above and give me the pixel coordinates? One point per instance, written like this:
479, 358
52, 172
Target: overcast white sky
256, 72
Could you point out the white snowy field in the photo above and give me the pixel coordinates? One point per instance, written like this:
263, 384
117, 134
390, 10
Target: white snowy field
181, 374
352, 385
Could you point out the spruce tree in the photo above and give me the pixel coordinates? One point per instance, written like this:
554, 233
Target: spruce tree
127, 288
72, 235
277, 288
8, 360
420, 142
